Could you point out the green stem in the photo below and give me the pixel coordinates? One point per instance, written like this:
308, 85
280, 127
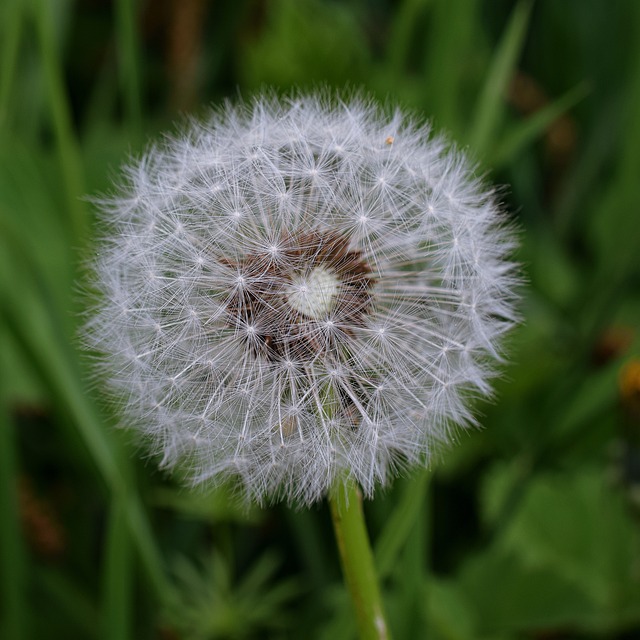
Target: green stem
357, 560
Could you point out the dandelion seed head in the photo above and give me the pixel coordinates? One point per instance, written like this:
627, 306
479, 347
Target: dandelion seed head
298, 291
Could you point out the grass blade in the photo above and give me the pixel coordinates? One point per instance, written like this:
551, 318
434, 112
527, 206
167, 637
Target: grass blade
528, 131
489, 109
402, 31
34, 328
116, 611
67, 147
128, 55
11, 19
400, 524
71, 601
451, 30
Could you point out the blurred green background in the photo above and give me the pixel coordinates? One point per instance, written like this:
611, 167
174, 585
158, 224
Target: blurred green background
528, 528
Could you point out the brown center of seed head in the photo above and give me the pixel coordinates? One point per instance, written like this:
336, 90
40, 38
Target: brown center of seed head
294, 300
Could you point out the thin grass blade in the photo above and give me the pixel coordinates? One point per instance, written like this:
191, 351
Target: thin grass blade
526, 132
400, 524
118, 576
11, 25
489, 110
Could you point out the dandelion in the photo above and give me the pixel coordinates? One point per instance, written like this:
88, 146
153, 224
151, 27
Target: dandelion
300, 292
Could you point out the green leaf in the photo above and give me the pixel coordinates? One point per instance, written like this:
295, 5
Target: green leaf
508, 597
577, 528
32, 225
450, 614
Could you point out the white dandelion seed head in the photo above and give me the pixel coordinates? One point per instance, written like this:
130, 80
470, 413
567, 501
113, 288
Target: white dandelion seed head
299, 291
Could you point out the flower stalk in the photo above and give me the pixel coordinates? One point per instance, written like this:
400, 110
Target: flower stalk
357, 560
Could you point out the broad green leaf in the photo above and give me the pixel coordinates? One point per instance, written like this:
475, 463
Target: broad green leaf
576, 527
508, 597
450, 615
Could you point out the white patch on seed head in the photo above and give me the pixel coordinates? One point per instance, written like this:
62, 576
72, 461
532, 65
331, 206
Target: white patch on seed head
313, 295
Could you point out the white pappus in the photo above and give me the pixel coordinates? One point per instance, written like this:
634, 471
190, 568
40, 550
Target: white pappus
298, 291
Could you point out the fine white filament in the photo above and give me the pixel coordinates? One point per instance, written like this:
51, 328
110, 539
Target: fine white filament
300, 290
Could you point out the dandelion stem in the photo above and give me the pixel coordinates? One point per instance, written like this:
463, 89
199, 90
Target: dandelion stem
357, 560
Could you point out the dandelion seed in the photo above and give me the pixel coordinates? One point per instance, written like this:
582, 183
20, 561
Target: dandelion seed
300, 291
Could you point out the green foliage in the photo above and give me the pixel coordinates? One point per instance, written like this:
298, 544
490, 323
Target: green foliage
302, 43
528, 528
569, 554
207, 605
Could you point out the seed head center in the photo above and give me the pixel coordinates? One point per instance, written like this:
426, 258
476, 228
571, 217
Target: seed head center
313, 294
